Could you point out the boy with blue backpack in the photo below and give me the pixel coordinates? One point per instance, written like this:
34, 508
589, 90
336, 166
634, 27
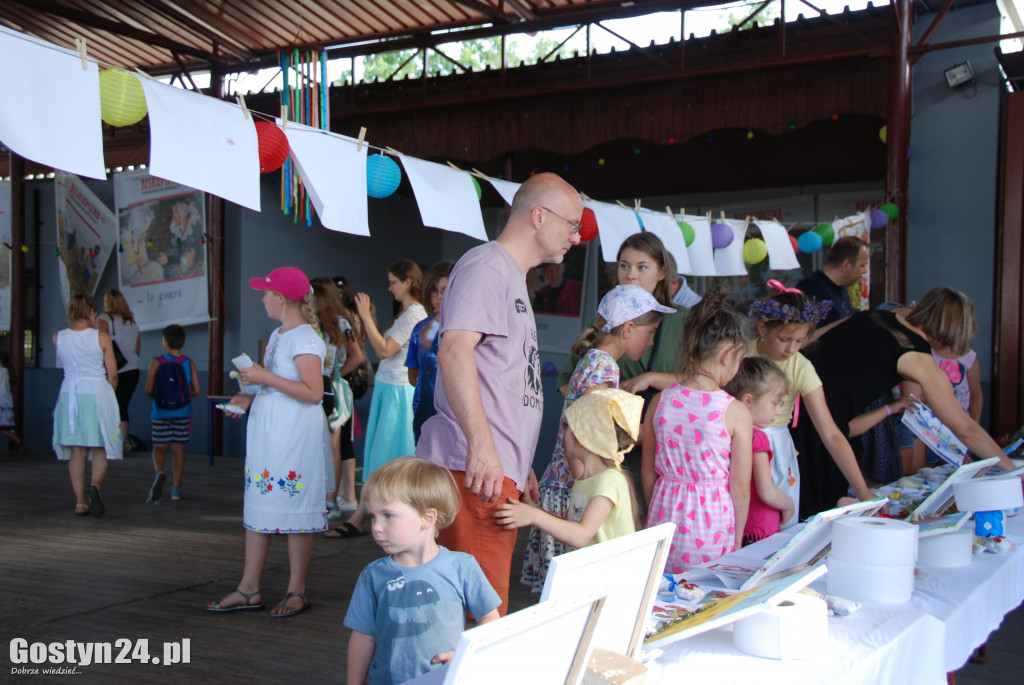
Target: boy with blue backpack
172, 383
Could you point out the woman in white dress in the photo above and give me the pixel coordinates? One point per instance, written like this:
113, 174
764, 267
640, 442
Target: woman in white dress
286, 445
86, 417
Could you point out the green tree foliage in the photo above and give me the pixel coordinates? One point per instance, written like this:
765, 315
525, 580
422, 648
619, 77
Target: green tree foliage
734, 16
473, 55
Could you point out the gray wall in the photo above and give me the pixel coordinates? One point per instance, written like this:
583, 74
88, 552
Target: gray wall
954, 143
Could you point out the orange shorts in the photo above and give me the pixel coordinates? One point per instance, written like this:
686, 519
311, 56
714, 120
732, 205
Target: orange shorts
475, 532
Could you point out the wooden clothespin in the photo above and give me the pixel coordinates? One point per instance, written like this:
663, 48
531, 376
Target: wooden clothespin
454, 167
636, 204
682, 213
362, 137
709, 217
621, 204
721, 214
586, 198
284, 117
479, 174
240, 99
393, 151
80, 44
668, 210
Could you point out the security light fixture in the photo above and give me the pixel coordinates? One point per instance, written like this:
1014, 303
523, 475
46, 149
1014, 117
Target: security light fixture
959, 74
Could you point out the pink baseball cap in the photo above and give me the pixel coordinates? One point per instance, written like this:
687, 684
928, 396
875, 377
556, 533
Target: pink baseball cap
287, 280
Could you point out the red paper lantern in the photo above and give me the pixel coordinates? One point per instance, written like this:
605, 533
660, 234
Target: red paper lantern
273, 146
796, 245
588, 224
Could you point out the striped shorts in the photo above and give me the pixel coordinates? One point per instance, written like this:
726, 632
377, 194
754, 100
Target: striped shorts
167, 431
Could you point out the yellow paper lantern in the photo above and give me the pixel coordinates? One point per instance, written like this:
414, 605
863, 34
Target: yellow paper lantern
754, 251
122, 102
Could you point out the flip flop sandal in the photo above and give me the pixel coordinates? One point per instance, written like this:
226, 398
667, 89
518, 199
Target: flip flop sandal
287, 611
81, 510
96, 507
345, 530
248, 606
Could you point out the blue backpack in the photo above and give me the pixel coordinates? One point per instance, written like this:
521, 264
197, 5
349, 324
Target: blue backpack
171, 388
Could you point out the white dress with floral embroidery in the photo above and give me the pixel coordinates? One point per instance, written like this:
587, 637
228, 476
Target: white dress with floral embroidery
285, 483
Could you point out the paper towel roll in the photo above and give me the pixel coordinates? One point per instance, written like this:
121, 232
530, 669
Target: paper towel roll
874, 541
795, 629
950, 550
867, 583
988, 494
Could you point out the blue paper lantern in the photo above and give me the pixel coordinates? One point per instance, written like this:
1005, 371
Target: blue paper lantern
879, 219
809, 242
721, 235
382, 176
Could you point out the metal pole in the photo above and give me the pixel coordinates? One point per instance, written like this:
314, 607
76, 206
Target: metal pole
898, 143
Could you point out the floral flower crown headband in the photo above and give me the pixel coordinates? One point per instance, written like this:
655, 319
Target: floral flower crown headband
812, 312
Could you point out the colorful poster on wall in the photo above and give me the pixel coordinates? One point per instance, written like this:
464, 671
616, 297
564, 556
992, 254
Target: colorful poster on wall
86, 235
5, 257
161, 262
858, 226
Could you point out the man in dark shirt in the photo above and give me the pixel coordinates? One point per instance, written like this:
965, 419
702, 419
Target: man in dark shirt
846, 262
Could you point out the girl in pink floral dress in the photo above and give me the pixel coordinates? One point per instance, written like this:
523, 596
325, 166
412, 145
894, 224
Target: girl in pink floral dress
625, 324
697, 442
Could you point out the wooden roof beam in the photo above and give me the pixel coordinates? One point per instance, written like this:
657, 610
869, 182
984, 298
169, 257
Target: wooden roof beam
520, 8
211, 33
841, 24
115, 27
484, 9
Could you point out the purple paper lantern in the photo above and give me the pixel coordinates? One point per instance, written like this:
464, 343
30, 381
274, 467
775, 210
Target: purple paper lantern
879, 219
721, 235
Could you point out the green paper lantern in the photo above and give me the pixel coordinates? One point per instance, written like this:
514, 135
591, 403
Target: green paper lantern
688, 232
122, 102
479, 190
891, 210
754, 251
827, 233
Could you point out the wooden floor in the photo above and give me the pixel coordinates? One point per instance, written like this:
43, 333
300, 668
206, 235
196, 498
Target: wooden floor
145, 572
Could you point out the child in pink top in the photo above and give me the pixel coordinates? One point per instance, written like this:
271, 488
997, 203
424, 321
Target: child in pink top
762, 387
696, 443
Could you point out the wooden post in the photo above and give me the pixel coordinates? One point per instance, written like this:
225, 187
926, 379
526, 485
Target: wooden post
898, 142
17, 332
215, 288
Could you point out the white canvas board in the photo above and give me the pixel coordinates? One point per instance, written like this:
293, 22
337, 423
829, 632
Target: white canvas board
923, 423
203, 143
666, 228
627, 570
615, 223
702, 254
5, 257
50, 109
939, 501
334, 174
507, 189
780, 250
729, 259
446, 197
554, 636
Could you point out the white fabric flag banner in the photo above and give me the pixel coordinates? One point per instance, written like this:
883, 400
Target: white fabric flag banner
203, 143
446, 197
50, 109
615, 223
507, 189
5, 257
161, 262
702, 255
334, 174
86, 235
780, 249
729, 259
666, 228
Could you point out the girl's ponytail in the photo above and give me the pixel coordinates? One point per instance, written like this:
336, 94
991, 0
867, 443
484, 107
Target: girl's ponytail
712, 323
590, 336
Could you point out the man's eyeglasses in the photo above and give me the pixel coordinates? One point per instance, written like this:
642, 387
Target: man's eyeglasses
575, 226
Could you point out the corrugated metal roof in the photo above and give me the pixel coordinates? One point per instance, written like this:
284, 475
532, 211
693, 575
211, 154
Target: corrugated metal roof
161, 36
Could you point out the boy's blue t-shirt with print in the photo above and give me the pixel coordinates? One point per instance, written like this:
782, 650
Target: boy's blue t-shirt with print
415, 613
182, 412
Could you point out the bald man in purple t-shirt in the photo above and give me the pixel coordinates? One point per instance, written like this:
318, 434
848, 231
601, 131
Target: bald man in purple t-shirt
488, 396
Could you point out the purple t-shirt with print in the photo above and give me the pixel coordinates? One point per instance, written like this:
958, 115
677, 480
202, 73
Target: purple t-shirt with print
487, 294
